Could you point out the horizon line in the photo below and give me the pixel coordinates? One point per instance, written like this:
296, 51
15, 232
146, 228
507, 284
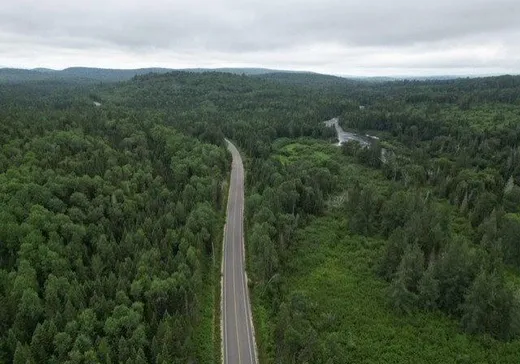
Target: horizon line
279, 70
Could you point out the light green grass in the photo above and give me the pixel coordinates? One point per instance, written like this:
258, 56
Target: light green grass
335, 270
304, 149
263, 331
204, 333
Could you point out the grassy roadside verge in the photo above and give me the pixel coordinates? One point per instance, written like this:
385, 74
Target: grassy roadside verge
207, 333
263, 329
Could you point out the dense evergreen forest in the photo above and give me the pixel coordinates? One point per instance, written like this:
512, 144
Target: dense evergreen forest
405, 251
108, 232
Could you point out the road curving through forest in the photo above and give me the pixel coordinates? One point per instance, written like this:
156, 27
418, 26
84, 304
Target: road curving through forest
238, 339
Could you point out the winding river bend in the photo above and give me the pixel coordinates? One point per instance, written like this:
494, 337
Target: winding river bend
346, 136
366, 141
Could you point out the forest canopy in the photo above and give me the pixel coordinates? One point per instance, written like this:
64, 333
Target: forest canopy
112, 200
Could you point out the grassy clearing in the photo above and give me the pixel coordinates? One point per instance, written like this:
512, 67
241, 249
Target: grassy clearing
262, 320
336, 271
311, 150
207, 333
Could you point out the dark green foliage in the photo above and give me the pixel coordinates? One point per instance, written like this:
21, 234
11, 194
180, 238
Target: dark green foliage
403, 291
490, 307
303, 338
428, 289
363, 205
111, 218
394, 251
510, 235
109, 224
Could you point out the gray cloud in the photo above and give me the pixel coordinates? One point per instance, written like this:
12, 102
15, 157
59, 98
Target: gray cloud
334, 36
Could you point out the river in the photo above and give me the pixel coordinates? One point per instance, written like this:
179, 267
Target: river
346, 136
364, 140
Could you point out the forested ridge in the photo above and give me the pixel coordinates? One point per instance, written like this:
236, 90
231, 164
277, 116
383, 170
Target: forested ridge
92, 75
112, 217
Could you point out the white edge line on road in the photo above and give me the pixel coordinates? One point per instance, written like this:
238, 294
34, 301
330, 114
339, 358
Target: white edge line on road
223, 348
248, 306
223, 351
246, 296
249, 323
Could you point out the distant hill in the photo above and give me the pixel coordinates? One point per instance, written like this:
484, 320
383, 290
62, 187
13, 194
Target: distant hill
307, 79
43, 70
401, 78
74, 74
240, 71
108, 75
85, 74
21, 75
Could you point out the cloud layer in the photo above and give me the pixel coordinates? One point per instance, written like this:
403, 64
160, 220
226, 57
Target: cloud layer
370, 37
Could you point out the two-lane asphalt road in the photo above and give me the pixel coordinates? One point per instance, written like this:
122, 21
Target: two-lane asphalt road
238, 340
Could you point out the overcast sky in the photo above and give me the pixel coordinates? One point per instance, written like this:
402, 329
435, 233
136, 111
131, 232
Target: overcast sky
345, 37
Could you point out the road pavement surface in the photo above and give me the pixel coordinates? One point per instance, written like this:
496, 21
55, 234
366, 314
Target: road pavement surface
238, 340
